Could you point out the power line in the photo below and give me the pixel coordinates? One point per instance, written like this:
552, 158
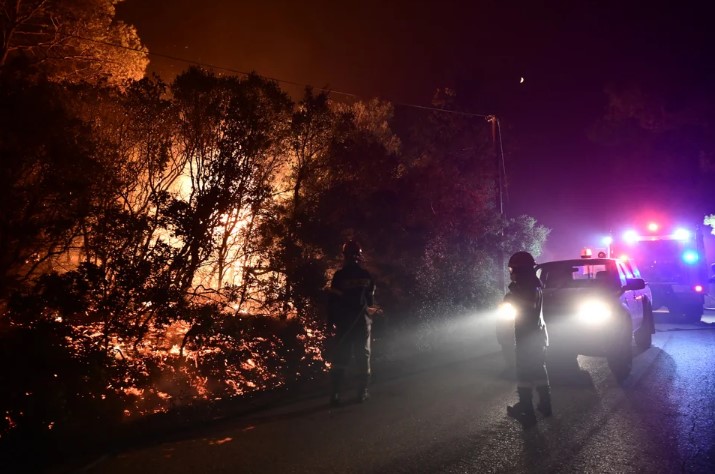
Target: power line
501, 167
282, 81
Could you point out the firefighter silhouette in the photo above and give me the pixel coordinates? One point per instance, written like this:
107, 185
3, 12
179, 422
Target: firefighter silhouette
352, 292
531, 339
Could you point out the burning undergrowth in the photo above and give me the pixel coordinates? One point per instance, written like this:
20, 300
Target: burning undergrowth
61, 375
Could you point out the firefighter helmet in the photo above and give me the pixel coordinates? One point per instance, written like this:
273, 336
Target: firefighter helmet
521, 259
352, 250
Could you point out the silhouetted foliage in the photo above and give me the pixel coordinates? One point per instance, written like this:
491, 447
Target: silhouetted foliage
57, 374
50, 177
169, 244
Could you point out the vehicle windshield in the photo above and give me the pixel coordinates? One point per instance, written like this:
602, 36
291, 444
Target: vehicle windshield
662, 261
577, 275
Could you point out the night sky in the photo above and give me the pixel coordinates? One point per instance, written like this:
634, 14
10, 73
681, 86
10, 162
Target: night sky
568, 53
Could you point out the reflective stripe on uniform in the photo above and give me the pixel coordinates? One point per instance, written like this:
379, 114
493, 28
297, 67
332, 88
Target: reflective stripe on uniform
532, 383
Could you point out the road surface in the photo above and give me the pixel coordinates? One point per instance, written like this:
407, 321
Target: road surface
447, 415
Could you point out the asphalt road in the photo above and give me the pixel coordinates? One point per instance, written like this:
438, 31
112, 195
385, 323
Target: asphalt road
448, 415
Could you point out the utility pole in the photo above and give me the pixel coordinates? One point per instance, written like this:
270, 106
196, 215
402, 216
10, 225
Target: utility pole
499, 194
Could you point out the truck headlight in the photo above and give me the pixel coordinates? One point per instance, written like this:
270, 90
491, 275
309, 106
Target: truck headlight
506, 311
594, 312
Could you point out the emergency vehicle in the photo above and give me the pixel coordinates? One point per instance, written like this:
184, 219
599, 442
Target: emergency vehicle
672, 260
592, 306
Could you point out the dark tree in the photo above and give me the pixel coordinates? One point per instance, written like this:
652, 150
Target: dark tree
51, 175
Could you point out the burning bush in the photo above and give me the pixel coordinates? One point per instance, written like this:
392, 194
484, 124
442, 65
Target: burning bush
65, 370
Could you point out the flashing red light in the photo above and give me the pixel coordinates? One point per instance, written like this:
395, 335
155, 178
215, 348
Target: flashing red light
698, 288
652, 226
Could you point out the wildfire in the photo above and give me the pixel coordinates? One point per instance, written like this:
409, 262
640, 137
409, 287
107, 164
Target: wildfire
221, 441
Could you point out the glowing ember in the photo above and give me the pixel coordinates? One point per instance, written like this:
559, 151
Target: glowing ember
221, 441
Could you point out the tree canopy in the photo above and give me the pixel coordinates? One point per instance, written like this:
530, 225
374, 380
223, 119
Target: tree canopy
70, 40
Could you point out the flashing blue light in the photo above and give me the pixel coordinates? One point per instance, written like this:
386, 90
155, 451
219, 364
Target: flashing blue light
690, 257
607, 240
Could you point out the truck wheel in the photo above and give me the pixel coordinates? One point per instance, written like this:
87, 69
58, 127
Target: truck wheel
644, 333
620, 357
620, 363
692, 313
659, 299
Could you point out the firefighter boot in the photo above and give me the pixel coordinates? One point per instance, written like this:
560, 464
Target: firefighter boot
363, 392
336, 380
544, 405
334, 400
524, 409
363, 395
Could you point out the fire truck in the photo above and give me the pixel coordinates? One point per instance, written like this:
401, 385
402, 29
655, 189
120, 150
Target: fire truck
672, 261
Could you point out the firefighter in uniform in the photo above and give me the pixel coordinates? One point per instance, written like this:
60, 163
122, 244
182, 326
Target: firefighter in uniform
531, 339
351, 295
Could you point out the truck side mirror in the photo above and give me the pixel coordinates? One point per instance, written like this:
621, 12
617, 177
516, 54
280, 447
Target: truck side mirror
633, 284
